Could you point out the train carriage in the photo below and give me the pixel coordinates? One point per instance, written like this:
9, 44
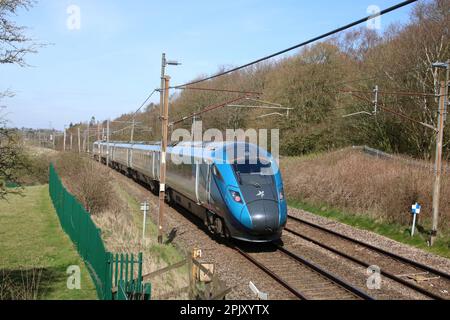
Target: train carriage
236, 188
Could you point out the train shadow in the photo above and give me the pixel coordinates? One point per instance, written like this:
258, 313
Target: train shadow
256, 247
249, 247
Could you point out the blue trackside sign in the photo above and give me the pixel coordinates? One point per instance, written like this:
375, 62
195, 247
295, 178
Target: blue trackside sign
415, 209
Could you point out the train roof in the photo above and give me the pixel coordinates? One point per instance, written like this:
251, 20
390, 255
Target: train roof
214, 151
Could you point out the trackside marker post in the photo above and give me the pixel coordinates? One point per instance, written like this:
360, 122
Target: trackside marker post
144, 207
261, 295
415, 210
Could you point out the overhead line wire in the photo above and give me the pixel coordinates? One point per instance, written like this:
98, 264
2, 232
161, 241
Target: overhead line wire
145, 102
325, 35
210, 108
383, 107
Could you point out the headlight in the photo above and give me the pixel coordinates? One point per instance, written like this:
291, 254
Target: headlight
236, 196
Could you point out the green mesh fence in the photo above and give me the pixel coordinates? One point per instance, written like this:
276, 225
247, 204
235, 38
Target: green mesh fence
77, 223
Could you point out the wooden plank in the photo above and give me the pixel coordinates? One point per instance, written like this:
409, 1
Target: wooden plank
164, 270
202, 268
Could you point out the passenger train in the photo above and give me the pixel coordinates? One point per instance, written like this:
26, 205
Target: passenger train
235, 188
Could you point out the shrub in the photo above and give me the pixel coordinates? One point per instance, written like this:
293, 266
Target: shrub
358, 183
89, 181
22, 284
35, 171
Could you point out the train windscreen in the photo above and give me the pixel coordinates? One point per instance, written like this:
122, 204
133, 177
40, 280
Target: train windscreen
254, 172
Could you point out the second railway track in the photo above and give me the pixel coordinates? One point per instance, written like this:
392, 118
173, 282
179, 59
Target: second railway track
429, 282
301, 277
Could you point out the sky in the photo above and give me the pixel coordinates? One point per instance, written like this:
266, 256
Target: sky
106, 62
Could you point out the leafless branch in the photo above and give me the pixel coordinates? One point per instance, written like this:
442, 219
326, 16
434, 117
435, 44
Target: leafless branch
14, 43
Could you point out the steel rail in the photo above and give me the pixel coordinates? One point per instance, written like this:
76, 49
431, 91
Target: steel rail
334, 279
296, 292
352, 289
394, 256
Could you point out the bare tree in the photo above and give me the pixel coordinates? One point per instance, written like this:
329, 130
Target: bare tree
14, 43
14, 46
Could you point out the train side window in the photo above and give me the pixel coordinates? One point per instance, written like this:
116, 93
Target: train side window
217, 173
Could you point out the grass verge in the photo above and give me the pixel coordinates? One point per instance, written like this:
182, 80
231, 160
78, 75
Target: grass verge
122, 232
35, 249
394, 231
116, 211
167, 253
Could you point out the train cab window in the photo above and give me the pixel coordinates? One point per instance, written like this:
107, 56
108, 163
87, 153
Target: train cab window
217, 173
256, 172
258, 168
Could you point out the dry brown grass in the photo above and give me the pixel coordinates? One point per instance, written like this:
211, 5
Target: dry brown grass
116, 212
20, 284
122, 235
89, 181
122, 232
355, 182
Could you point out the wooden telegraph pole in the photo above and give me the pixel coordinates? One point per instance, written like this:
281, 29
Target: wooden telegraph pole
162, 178
438, 161
163, 77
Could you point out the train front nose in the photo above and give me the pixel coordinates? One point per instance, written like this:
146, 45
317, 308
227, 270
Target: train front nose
265, 216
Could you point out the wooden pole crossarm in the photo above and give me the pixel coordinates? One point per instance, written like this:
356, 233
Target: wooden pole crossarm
164, 270
264, 102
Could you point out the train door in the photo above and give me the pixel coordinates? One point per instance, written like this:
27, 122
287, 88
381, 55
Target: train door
202, 181
156, 166
153, 163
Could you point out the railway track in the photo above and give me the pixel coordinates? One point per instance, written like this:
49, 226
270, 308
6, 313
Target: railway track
309, 281
432, 283
301, 277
